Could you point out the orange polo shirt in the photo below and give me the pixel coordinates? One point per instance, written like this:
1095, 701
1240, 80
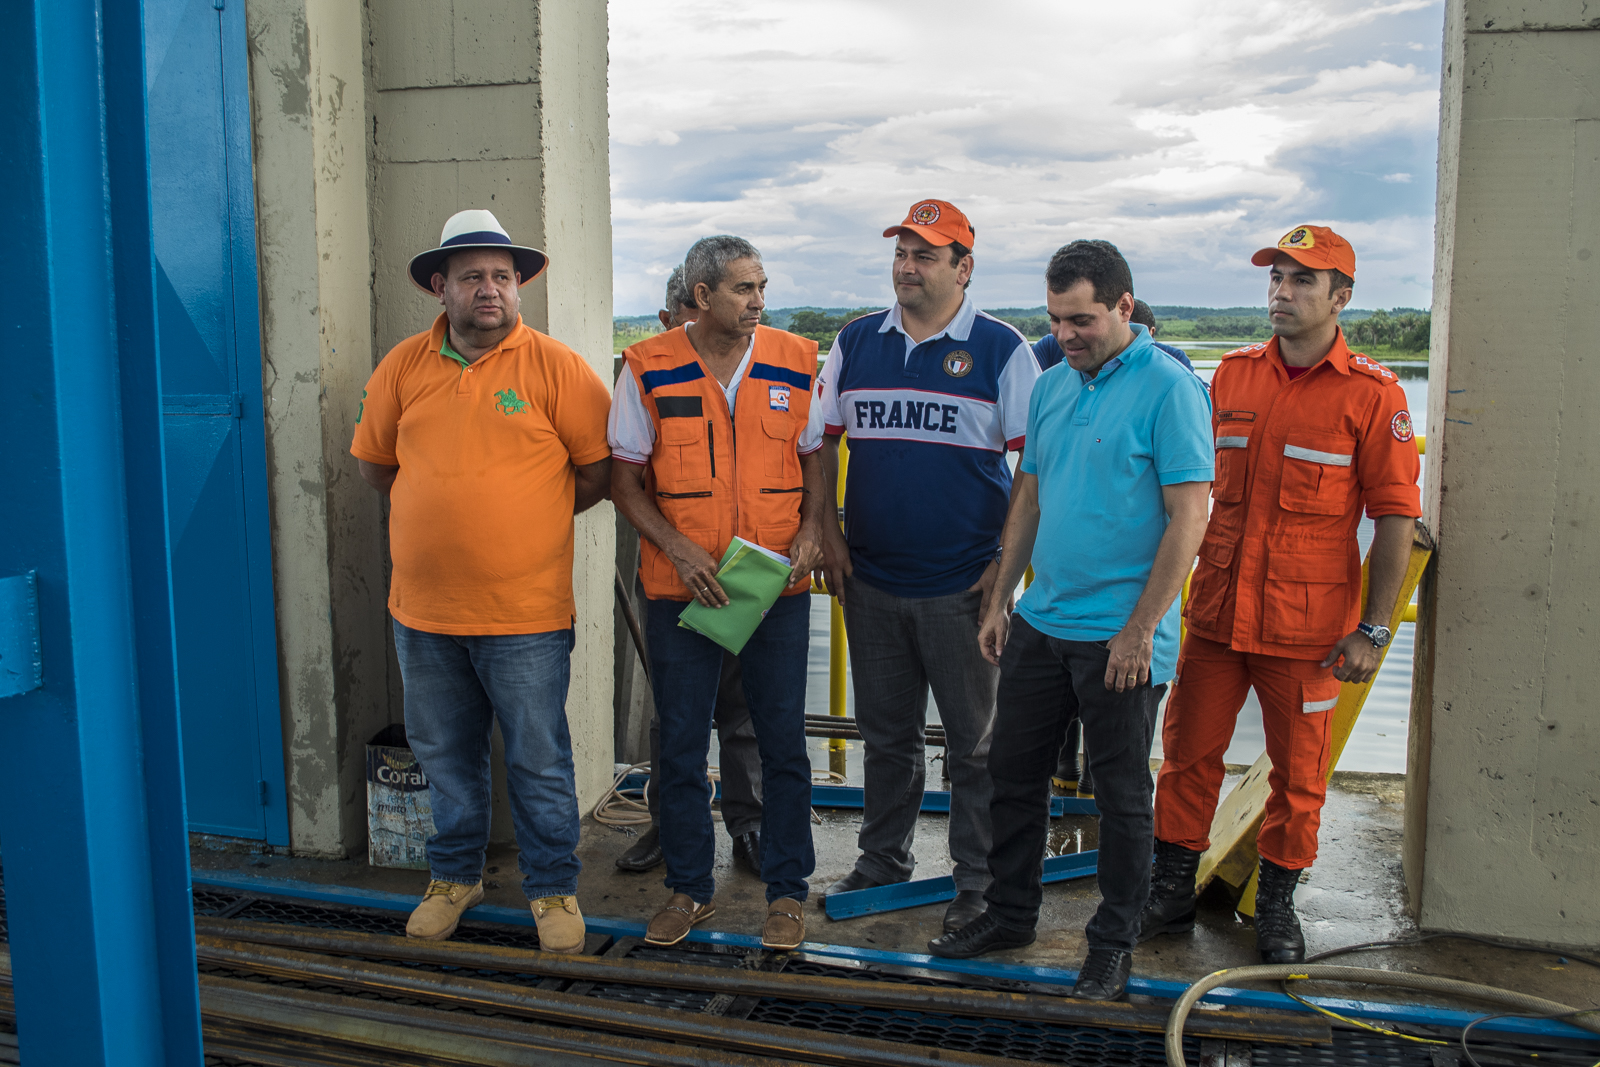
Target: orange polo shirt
480, 522
1297, 461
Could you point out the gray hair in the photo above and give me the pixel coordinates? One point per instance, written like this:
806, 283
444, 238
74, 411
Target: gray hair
678, 294
707, 261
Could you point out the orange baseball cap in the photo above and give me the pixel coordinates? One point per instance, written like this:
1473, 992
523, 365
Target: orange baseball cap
937, 222
1315, 246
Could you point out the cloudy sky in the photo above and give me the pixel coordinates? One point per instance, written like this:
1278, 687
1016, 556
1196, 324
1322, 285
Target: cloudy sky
1189, 133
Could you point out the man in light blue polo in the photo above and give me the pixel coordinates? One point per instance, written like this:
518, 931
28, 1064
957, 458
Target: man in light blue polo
1110, 505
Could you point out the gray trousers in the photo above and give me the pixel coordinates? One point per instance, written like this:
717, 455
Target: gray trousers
899, 648
739, 763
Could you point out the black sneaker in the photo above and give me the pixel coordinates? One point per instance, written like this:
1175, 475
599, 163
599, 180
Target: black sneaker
981, 935
1104, 975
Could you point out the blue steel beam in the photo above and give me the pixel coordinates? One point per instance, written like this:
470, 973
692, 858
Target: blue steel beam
91, 790
915, 894
1375, 1010
852, 796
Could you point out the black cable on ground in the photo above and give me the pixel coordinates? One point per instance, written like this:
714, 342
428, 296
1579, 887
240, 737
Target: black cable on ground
1465, 1030
1562, 954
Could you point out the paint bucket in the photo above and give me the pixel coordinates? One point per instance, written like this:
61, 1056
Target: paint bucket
399, 810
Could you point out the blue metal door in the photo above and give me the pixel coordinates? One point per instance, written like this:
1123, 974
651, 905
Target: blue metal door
204, 232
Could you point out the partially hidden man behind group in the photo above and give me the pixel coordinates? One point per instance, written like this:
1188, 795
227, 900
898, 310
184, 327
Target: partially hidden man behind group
509, 434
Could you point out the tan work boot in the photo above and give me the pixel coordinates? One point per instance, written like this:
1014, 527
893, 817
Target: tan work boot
436, 917
560, 923
786, 924
673, 922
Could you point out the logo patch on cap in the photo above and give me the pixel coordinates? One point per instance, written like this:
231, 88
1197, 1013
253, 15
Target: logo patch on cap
958, 364
778, 397
925, 214
1300, 237
1400, 425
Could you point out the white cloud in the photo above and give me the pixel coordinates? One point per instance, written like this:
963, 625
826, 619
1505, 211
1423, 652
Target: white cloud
1189, 134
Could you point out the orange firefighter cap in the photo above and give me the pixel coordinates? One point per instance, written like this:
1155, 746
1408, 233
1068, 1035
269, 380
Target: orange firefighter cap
937, 222
1315, 246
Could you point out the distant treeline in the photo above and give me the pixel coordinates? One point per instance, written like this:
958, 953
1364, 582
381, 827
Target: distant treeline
1399, 330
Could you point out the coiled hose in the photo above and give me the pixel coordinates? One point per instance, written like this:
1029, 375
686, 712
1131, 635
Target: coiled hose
1588, 1019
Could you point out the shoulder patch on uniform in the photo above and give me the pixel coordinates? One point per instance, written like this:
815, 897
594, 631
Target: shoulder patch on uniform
1374, 368
1248, 350
1400, 426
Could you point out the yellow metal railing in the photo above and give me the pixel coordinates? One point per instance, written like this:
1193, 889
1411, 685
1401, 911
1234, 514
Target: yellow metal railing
837, 746
837, 648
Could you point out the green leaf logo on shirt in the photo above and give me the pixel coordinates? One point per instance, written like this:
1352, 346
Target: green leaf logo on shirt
507, 402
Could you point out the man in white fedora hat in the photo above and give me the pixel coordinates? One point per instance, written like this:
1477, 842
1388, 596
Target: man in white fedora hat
487, 437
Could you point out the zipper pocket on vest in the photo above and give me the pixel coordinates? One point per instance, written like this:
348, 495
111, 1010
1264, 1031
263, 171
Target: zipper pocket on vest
681, 496
796, 489
711, 446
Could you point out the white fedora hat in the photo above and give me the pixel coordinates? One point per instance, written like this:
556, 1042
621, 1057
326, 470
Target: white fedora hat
475, 228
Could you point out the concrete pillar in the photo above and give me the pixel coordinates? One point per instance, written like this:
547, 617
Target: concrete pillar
1503, 816
309, 121
469, 108
371, 126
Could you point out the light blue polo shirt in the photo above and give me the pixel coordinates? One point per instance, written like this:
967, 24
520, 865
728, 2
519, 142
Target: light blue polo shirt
1102, 449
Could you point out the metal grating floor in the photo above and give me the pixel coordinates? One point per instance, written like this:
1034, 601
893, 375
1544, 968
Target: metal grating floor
1022, 1041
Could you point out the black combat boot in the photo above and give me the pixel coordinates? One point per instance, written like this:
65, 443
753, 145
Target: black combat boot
1170, 906
1278, 937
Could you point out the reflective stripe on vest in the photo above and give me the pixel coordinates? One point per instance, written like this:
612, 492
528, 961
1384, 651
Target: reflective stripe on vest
1332, 459
1233, 442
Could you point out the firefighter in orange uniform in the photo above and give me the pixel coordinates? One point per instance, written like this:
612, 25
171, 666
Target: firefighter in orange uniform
1308, 434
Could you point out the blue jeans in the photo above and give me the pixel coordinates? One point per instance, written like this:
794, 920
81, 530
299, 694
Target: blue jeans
455, 689
685, 670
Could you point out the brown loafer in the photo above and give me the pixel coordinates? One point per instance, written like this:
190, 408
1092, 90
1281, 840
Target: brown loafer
673, 922
786, 925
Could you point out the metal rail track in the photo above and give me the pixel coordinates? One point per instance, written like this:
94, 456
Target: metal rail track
485, 998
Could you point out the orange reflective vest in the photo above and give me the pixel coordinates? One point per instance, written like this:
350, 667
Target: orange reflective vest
713, 475
1279, 573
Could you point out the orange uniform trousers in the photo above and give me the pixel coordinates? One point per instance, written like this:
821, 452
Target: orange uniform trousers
1297, 701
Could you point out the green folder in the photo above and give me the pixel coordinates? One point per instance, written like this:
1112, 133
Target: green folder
753, 578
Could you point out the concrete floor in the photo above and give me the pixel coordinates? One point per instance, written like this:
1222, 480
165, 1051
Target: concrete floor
1353, 894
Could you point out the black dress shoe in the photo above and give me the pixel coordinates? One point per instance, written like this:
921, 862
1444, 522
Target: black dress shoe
853, 881
981, 935
967, 906
645, 854
1104, 975
747, 850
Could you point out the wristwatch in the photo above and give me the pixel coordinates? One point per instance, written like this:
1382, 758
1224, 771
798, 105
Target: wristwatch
1378, 635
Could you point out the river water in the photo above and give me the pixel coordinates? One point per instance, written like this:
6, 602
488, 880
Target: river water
1378, 742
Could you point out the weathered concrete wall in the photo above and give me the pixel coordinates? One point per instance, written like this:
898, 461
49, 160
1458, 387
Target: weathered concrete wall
1504, 826
372, 124
308, 117
469, 108
575, 142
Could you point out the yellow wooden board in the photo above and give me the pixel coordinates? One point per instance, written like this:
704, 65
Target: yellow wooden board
1232, 855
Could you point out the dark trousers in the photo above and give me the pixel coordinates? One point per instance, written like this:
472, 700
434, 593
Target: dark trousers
1044, 683
685, 672
738, 762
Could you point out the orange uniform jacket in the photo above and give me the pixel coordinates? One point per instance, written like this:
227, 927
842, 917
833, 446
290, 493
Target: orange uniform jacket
1279, 573
714, 477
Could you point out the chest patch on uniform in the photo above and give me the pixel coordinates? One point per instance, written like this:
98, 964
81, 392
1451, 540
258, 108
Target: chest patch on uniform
1401, 425
958, 364
1236, 416
506, 402
778, 397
